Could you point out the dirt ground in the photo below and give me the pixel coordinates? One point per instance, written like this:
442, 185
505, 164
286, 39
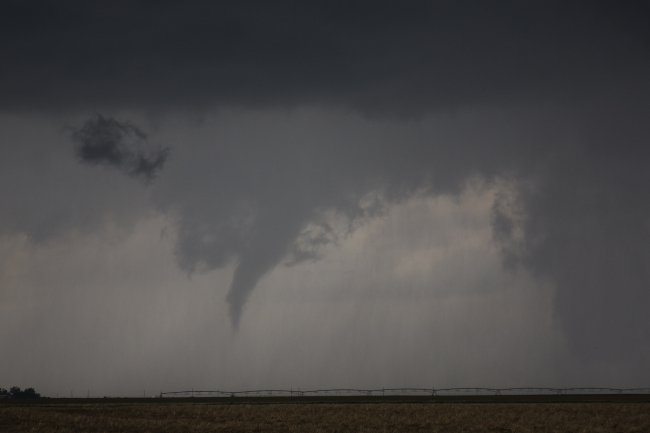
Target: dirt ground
326, 417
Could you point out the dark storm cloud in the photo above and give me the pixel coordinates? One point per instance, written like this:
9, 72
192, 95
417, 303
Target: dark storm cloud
580, 218
382, 57
107, 142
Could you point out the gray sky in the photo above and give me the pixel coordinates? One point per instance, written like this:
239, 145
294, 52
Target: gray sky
250, 195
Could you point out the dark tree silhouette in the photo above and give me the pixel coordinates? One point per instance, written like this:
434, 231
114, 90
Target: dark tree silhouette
16, 392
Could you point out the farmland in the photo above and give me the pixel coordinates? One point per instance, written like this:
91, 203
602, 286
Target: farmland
335, 415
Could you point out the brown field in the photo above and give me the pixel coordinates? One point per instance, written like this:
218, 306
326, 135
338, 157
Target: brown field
326, 417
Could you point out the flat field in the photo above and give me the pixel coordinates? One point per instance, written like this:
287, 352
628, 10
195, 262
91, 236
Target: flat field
326, 417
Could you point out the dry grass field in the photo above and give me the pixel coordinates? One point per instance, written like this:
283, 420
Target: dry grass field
335, 417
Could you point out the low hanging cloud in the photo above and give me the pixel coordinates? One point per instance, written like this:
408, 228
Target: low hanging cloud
104, 141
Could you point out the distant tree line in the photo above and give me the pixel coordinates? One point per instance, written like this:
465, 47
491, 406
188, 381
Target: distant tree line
15, 392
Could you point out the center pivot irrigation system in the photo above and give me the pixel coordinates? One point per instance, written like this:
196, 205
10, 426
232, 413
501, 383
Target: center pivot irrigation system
407, 392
